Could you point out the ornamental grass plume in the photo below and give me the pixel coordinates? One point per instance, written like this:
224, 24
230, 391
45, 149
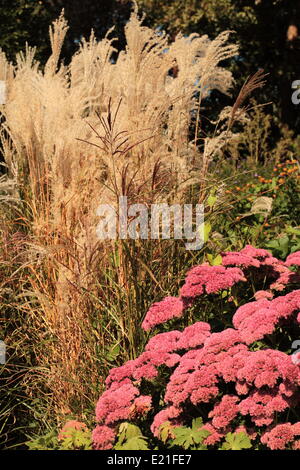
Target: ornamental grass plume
236, 379
75, 136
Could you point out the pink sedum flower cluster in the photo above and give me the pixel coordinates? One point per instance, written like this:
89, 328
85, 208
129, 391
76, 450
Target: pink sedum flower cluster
293, 259
236, 267
209, 279
103, 438
160, 312
257, 319
282, 436
244, 386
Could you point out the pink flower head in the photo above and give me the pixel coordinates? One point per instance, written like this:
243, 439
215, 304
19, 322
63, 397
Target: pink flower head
255, 252
147, 363
224, 411
259, 324
254, 320
266, 367
216, 435
197, 375
263, 294
167, 342
217, 343
103, 438
239, 259
247, 310
116, 405
120, 374
141, 406
170, 414
262, 405
190, 337
279, 437
293, 259
194, 335
210, 279
160, 312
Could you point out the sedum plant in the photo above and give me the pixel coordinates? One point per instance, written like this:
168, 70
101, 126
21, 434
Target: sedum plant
208, 385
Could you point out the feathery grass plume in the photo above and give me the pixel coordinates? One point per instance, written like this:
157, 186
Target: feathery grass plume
251, 84
80, 296
6, 70
57, 35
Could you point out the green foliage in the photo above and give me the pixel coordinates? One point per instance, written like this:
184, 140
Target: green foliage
214, 261
74, 440
236, 441
47, 442
131, 438
77, 440
206, 231
285, 243
191, 438
185, 437
263, 209
113, 352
